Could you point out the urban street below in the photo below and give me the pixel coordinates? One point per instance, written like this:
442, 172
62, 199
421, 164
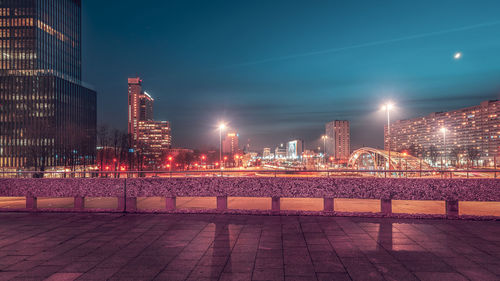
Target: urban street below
63, 246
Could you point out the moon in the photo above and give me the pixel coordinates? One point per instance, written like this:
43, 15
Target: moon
457, 55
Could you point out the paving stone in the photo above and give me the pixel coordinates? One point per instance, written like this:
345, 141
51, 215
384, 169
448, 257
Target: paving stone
58, 246
268, 274
337, 276
441, 276
236, 276
63, 277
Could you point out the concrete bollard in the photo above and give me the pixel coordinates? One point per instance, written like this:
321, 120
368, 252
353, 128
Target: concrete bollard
170, 203
121, 203
79, 203
31, 202
221, 203
131, 204
452, 208
328, 204
386, 206
275, 204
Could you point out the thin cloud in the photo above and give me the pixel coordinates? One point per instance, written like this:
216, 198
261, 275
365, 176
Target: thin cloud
364, 45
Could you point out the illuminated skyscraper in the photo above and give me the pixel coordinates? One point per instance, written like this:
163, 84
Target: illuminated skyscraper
338, 142
152, 138
230, 143
47, 114
140, 106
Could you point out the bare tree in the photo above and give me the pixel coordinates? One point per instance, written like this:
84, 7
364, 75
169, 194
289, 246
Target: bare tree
102, 142
116, 145
184, 159
421, 152
140, 156
455, 153
413, 149
125, 146
433, 154
39, 137
473, 154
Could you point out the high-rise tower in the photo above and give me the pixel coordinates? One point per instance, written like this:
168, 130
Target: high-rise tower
151, 138
338, 142
140, 106
47, 114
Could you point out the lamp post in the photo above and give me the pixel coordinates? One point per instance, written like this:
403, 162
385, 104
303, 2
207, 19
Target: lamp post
443, 130
221, 127
387, 107
324, 137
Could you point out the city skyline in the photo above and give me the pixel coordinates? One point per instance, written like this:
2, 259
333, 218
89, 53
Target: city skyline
285, 75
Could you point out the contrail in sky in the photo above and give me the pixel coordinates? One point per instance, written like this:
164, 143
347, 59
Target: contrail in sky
363, 45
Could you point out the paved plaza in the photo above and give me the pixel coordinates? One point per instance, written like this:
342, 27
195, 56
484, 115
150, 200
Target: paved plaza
63, 246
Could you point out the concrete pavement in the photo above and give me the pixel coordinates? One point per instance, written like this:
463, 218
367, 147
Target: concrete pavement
59, 246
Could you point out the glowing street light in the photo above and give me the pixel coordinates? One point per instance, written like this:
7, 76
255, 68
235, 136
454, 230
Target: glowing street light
222, 126
388, 107
457, 55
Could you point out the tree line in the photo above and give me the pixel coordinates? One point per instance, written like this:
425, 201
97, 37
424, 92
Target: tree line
455, 153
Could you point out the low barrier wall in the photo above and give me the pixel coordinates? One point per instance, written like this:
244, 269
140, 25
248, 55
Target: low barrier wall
127, 190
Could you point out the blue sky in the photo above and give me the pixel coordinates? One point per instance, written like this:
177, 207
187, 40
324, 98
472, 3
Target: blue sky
276, 70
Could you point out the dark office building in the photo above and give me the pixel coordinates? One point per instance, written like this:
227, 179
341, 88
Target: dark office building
47, 115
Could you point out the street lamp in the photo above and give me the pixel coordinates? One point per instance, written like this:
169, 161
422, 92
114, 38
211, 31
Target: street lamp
443, 130
324, 137
387, 107
222, 126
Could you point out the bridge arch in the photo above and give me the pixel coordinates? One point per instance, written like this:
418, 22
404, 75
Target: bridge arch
367, 158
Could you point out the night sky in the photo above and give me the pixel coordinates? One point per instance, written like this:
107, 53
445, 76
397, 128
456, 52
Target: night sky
276, 70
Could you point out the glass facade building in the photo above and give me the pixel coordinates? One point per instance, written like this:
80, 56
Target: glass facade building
47, 114
153, 140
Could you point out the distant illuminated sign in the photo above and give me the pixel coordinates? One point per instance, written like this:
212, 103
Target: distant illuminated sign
292, 149
146, 93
